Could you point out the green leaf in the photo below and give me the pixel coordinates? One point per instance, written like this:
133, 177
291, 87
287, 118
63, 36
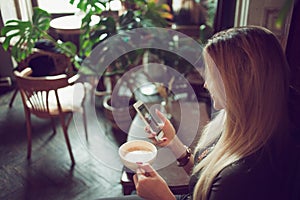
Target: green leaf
283, 13
39, 15
90, 5
6, 42
8, 30
68, 48
25, 33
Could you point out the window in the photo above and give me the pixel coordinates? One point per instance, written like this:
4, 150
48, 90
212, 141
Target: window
18, 9
57, 6
63, 6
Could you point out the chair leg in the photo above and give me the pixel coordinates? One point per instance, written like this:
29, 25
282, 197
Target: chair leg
13, 97
28, 125
65, 130
53, 125
85, 123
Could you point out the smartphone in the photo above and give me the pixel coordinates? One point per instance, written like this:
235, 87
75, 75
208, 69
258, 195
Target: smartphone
148, 119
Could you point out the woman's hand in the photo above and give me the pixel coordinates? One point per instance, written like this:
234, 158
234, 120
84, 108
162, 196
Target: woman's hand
150, 185
167, 128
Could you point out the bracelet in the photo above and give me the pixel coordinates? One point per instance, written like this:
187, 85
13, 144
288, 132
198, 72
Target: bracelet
181, 162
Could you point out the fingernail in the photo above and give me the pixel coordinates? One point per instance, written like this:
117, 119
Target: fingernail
164, 139
139, 163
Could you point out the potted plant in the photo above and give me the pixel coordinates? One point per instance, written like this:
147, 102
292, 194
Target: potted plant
138, 14
21, 37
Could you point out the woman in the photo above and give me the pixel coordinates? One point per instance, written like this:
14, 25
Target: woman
244, 151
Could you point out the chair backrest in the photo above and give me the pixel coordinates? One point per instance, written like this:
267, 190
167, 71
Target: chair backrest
39, 94
45, 63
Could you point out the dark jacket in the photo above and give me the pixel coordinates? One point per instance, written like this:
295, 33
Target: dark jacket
262, 175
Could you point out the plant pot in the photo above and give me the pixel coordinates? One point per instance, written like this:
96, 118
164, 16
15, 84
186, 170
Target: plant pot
120, 112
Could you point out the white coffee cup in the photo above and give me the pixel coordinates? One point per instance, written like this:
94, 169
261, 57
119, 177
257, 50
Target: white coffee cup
137, 151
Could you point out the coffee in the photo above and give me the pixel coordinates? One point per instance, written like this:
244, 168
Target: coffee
138, 148
138, 154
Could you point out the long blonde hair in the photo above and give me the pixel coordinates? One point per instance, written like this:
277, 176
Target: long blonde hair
254, 72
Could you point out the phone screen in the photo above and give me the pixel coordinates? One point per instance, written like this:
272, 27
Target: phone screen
149, 118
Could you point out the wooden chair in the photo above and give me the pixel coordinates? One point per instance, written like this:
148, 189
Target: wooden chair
49, 97
44, 63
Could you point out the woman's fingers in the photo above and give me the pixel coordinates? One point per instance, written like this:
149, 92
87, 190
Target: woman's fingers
165, 121
147, 129
155, 141
161, 115
151, 135
150, 132
168, 131
146, 170
140, 174
135, 179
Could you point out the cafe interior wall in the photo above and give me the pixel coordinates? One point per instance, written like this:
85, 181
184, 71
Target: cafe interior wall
6, 66
264, 13
19, 9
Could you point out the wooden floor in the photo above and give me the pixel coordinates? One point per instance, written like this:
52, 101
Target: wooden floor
49, 174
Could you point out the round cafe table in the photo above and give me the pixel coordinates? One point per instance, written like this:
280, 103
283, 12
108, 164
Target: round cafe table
71, 23
68, 27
